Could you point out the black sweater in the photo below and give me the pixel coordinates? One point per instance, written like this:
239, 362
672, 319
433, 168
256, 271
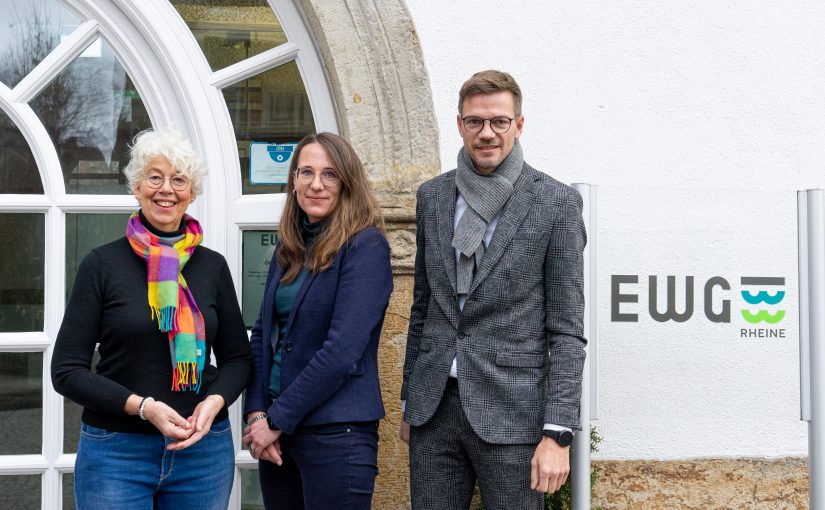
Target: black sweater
109, 305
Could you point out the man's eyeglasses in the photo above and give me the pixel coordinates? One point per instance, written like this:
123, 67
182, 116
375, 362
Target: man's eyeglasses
497, 124
306, 175
178, 182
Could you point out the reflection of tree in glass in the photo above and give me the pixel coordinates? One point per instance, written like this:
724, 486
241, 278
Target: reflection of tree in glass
91, 109
18, 170
32, 41
35, 36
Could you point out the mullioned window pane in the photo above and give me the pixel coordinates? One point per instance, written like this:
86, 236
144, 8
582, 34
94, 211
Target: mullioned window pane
229, 32
92, 111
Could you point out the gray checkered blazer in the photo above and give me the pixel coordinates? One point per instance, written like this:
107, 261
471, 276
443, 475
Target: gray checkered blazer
519, 340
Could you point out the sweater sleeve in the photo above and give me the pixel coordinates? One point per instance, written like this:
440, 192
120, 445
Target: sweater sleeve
231, 345
71, 371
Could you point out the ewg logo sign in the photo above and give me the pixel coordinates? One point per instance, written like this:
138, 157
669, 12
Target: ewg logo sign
760, 296
763, 297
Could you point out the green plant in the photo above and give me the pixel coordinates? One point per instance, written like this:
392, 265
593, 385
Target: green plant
562, 498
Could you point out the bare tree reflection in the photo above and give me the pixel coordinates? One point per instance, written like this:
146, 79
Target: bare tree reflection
90, 109
18, 170
35, 35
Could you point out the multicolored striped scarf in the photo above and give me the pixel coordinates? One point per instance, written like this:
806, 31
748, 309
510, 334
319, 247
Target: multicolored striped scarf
170, 299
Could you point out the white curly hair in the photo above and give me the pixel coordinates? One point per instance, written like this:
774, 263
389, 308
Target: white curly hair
172, 145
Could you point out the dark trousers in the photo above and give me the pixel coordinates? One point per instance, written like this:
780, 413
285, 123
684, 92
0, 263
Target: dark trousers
325, 467
447, 458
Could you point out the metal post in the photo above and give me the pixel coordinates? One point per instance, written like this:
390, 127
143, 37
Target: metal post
815, 216
804, 326
580, 461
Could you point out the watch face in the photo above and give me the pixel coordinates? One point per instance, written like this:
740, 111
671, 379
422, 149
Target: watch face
565, 438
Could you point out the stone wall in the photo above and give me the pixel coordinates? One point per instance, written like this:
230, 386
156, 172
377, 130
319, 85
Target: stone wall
702, 484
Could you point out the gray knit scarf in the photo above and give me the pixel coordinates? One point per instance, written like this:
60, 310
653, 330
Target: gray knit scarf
485, 195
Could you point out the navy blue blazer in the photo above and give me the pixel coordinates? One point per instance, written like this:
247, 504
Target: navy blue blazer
329, 363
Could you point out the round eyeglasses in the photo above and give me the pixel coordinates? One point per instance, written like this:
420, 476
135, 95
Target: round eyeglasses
178, 182
475, 124
306, 175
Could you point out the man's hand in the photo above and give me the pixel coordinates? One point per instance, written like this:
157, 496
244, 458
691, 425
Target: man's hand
201, 421
263, 442
550, 466
404, 433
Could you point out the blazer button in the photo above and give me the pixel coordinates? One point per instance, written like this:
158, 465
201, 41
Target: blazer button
461, 334
288, 346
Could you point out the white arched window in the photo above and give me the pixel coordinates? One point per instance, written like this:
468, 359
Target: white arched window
78, 79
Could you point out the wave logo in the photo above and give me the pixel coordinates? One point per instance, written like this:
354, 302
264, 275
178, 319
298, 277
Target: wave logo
763, 293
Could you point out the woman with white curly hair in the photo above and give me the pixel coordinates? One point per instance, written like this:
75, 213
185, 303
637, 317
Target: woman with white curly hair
154, 431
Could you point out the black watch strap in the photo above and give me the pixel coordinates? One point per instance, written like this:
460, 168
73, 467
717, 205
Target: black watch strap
562, 437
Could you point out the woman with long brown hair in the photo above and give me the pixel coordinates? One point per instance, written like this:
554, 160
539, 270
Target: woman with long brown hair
314, 401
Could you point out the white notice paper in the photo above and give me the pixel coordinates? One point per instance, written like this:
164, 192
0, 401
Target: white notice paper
269, 162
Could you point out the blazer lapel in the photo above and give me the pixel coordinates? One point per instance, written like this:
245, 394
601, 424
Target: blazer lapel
445, 209
508, 223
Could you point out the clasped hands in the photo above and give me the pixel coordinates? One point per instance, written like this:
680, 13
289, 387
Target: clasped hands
184, 432
262, 441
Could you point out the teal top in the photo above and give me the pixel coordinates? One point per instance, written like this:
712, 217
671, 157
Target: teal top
284, 298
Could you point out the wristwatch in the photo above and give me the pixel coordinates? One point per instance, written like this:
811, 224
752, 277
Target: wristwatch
563, 437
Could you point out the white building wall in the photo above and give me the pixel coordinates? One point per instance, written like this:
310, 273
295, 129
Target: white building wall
698, 121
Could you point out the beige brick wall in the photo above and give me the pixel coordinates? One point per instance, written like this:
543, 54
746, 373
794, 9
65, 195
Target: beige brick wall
704, 484
392, 486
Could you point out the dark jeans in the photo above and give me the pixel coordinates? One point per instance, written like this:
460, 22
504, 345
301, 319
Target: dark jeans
325, 466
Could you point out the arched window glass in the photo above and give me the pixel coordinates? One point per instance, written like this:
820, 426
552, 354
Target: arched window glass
21, 404
85, 232
229, 32
269, 108
28, 32
18, 170
22, 268
92, 111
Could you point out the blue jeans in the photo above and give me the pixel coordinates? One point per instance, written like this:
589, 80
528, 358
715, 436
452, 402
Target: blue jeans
325, 467
119, 471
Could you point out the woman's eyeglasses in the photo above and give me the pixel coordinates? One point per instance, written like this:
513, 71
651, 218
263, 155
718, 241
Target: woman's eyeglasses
178, 182
306, 175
